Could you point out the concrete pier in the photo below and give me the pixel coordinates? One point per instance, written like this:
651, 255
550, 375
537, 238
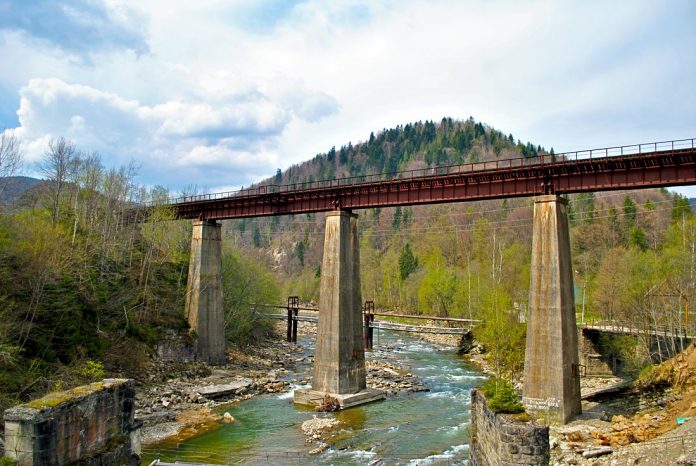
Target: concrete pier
551, 371
339, 362
204, 305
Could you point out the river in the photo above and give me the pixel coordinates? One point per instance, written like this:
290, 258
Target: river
414, 429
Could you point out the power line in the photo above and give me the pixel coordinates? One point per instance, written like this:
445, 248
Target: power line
530, 205
495, 224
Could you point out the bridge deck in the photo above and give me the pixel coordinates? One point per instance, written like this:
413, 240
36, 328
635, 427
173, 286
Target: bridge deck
671, 163
385, 325
632, 330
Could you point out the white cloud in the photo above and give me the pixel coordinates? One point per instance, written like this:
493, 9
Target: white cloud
228, 91
223, 142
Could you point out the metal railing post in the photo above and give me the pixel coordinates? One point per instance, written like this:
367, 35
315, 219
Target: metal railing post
369, 318
293, 312
295, 303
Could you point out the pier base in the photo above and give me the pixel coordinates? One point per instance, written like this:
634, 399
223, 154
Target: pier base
307, 396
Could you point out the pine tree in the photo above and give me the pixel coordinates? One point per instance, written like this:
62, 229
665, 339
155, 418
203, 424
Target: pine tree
300, 251
396, 220
257, 237
629, 210
681, 208
408, 262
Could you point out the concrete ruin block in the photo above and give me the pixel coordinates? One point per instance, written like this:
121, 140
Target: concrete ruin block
90, 425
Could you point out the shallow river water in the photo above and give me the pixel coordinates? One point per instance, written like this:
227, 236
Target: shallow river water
416, 429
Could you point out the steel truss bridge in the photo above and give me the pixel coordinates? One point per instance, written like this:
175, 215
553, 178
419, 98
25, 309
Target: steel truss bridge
660, 164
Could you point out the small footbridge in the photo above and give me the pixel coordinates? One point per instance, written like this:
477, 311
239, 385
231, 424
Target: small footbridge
393, 321
659, 342
630, 328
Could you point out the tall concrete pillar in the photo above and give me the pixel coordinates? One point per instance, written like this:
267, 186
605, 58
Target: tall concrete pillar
204, 305
551, 380
357, 303
339, 361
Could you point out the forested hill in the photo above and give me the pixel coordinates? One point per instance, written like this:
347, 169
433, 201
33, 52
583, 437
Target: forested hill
12, 188
411, 146
472, 259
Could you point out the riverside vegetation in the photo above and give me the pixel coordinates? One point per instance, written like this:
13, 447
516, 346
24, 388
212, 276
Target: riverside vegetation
86, 290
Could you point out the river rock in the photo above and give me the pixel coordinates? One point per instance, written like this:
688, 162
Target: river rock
315, 426
320, 449
228, 418
233, 388
465, 344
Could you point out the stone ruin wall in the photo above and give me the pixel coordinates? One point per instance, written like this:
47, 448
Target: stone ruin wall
497, 440
90, 425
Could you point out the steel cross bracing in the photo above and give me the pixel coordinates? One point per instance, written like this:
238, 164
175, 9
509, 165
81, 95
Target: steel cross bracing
560, 174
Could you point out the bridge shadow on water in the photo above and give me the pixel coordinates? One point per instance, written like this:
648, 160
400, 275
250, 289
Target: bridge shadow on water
416, 428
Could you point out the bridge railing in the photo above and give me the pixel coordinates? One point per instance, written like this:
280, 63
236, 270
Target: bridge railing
293, 317
630, 327
499, 164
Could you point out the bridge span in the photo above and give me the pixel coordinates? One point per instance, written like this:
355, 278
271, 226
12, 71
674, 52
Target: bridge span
552, 370
671, 163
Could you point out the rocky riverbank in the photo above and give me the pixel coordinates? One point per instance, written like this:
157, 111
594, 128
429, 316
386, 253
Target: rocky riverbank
648, 422
179, 401
182, 400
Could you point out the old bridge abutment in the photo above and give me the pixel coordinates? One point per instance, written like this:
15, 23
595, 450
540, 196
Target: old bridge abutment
613, 350
90, 425
500, 440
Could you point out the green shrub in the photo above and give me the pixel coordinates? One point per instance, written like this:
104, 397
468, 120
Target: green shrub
245, 280
91, 371
7, 461
646, 375
502, 396
623, 348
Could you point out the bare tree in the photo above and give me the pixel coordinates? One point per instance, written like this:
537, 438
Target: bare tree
58, 166
10, 157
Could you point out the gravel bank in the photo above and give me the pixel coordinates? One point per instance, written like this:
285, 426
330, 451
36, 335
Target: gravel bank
183, 400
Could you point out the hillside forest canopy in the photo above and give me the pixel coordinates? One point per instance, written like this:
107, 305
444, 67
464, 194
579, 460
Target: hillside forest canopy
87, 288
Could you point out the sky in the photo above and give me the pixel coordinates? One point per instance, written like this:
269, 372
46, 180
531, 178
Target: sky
218, 94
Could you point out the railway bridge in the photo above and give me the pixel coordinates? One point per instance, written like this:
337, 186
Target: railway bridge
551, 355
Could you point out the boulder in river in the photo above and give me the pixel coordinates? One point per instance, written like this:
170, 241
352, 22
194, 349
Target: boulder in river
227, 389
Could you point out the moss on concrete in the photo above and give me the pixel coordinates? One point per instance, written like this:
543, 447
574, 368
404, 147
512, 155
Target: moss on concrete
55, 399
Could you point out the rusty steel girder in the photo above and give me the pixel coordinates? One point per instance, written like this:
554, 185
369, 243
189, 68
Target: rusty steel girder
672, 167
